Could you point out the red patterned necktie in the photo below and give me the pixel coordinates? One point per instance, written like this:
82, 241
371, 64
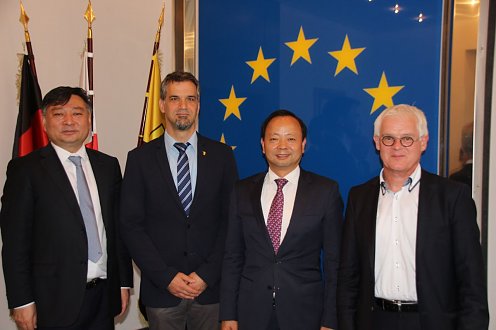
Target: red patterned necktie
275, 215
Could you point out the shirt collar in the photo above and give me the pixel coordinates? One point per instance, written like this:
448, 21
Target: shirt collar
169, 141
412, 181
64, 154
292, 176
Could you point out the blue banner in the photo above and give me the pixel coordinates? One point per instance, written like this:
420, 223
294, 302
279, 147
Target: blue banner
336, 64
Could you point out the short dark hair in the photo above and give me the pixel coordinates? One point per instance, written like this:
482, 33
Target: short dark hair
178, 76
61, 95
283, 113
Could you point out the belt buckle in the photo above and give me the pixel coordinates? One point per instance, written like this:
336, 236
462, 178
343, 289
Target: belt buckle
398, 304
92, 283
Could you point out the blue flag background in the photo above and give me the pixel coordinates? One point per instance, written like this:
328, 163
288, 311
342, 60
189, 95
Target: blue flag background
336, 64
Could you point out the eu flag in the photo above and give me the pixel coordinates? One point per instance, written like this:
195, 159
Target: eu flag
336, 64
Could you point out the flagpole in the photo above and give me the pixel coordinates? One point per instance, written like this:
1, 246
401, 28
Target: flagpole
155, 50
29, 133
90, 17
24, 19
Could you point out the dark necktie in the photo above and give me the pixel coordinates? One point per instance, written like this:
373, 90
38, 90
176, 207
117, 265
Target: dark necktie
183, 177
88, 212
274, 220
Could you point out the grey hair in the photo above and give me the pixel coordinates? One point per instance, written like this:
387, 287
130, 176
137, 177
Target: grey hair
401, 109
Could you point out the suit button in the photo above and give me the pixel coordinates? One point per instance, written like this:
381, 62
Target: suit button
269, 287
188, 226
185, 253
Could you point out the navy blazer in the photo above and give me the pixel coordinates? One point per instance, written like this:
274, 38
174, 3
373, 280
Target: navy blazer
451, 287
305, 292
161, 239
45, 249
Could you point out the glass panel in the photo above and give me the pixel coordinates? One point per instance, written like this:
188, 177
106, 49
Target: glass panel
463, 52
190, 36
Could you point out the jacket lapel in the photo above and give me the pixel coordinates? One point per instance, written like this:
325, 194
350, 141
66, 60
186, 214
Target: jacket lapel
426, 190
164, 169
101, 178
255, 194
370, 212
202, 162
304, 185
51, 164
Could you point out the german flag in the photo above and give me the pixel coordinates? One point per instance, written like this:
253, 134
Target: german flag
29, 133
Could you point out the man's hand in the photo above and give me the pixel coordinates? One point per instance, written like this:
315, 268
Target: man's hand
229, 325
124, 300
179, 287
25, 317
197, 283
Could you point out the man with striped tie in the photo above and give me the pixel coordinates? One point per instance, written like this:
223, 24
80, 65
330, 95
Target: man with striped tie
175, 198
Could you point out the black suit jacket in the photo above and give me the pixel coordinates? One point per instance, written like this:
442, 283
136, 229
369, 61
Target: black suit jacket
162, 240
305, 292
450, 277
45, 251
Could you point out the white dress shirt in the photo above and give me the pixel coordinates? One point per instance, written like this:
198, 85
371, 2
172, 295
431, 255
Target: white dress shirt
395, 240
98, 269
269, 190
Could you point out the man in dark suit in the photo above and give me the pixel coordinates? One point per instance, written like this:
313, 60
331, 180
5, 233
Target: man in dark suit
411, 257
175, 198
64, 265
282, 249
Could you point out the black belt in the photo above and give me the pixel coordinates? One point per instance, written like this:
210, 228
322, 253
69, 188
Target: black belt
94, 282
396, 305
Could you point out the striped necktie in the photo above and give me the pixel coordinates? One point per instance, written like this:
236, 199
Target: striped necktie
183, 177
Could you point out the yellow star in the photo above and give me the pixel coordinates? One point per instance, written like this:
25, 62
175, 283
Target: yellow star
223, 140
301, 47
346, 57
260, 66
383, 95
232, 104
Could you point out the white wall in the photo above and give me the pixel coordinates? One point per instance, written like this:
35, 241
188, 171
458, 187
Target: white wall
123, 33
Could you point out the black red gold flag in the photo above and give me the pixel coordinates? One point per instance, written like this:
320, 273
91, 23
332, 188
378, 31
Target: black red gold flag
29, 133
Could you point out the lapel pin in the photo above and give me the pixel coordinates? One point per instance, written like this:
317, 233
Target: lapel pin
204, 153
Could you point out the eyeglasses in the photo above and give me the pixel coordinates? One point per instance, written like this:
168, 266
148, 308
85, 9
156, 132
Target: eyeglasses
405, 141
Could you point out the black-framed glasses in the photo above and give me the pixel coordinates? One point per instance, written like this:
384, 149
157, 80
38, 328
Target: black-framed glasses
405, 141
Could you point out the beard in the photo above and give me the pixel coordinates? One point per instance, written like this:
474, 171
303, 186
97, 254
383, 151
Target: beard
184, 124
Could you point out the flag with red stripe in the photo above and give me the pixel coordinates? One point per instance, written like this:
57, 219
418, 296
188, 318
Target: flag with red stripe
29, 134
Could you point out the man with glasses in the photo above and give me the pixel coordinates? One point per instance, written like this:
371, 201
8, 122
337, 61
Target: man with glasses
410, 257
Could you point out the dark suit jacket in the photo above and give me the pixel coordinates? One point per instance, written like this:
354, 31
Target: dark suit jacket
305, 292
450, 277
162, 240
45, 251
